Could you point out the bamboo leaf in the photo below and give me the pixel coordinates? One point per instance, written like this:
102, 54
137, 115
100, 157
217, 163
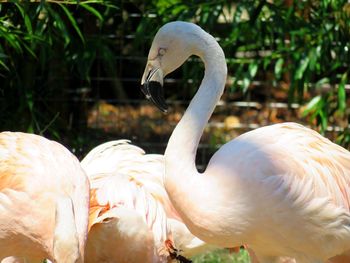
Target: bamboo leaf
253, 68
3, 64
278, 68
324, 120
266, 62
92, 11
301, 68
13, 40
32, 52
58, 23
342, 93
322, 82
313, 59
73, 22
341, 97
20, 8
246, 83
28, 24
312, 105
26, 18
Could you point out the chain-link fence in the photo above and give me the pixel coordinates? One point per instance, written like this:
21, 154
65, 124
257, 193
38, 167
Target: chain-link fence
115, 108
97, 96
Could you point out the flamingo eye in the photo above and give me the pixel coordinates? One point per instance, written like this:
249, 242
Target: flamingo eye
161, 51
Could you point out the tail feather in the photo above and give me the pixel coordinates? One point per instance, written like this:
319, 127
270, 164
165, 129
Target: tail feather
65, 242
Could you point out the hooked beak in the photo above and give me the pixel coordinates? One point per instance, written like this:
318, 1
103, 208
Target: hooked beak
152, 86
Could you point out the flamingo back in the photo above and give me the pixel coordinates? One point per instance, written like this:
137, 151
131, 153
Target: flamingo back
36, 176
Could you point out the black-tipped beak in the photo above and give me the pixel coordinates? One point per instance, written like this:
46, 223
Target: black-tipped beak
152, 86
153, 91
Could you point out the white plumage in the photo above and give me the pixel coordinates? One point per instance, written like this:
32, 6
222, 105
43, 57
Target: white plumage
131, 217
44, 196
283, 190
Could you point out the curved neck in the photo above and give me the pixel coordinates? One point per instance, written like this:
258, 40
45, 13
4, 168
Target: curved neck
180, 176
185, 138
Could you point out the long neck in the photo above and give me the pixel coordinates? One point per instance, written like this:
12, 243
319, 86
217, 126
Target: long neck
181, 173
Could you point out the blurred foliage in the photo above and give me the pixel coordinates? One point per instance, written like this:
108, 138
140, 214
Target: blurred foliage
44, 48
49, 51
220, 256
301, 45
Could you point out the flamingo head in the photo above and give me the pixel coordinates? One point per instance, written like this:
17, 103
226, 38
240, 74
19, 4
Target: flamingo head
173, 44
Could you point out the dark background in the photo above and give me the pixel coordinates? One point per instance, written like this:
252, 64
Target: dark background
71, 70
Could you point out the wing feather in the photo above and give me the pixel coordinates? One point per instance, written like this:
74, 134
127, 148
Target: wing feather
294, 151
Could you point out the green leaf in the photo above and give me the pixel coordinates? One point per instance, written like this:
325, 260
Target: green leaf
26, 19
2, 63
246, 83
92, 11
253, 68
278, 68
341, 97
313, 56
266, 62
21, 10
13, 40
32, 52
312, 105
58, 23
342, 93
324, 120
321, 82
28, 24
301, 68
73, 22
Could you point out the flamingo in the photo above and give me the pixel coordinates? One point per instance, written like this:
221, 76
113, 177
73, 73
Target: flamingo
283, 189
44, 200
131, 217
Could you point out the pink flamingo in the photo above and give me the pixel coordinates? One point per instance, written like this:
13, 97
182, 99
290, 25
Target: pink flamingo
44, 200
284, 190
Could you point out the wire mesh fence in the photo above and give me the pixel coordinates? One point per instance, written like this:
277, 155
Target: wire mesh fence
108, 104
114, 108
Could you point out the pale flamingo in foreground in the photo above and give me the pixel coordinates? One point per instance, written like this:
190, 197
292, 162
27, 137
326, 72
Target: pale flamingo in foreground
284, 190
131, 217
44, 200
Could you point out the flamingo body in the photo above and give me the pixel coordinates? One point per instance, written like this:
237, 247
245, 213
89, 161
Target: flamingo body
119, 232
304, 185
44, 200
131, 217
284, 190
